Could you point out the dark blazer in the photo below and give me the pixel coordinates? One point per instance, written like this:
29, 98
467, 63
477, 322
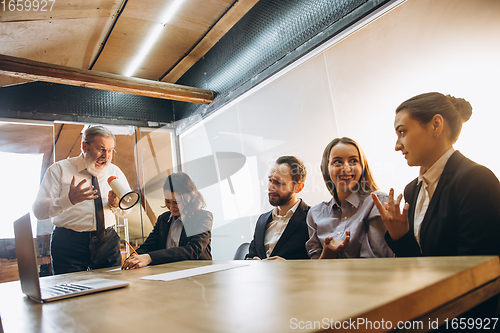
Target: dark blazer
463, 216
292, 243
195, 246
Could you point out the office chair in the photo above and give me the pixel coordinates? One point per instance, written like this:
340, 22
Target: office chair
241, 252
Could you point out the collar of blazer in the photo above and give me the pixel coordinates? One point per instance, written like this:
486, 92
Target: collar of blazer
449, 170
166, 229
266, 218
297, 218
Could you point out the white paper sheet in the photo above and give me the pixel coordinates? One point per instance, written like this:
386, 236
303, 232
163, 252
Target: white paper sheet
115, 269
192, 272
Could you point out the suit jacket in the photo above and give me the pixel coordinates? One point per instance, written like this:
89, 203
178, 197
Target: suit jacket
292, 243
192, 247
463, 216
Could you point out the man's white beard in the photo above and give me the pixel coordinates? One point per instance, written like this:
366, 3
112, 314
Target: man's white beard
91, 167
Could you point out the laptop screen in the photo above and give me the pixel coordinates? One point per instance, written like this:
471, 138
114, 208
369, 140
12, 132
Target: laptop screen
26, 257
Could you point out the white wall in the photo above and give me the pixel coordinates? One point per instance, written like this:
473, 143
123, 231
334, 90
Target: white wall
351, 89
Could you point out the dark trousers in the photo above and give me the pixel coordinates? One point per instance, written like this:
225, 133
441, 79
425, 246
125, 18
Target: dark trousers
73, 251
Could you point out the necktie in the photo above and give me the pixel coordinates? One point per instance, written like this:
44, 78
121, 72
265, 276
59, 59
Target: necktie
99, 212
420, 210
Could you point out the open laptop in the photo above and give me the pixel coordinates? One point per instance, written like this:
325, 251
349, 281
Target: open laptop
28, 271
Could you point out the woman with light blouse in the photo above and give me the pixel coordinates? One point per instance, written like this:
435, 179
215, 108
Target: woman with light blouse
349, 224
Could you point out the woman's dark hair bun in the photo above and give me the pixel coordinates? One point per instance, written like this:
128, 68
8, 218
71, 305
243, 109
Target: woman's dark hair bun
462, 106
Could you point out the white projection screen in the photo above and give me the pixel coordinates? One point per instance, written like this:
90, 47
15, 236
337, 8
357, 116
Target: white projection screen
351, 87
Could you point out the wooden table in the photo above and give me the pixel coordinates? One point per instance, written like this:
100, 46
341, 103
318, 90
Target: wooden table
265, 296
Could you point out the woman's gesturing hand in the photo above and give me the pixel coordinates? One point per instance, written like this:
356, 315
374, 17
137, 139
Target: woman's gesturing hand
395, 221
333, 247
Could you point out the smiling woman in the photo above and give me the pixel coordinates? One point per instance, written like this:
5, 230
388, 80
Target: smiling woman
349, 225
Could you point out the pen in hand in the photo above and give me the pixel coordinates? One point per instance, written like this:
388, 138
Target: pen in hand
131, 248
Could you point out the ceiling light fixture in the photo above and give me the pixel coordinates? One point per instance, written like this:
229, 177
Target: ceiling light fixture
151, 39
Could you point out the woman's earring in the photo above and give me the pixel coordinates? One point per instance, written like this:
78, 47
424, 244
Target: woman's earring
436, 135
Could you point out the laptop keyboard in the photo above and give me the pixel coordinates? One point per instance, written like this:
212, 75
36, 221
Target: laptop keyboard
63, 289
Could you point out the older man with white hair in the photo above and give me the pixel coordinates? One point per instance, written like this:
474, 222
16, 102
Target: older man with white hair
84, 237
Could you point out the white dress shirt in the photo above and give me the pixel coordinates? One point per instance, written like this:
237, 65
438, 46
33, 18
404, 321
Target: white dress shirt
53, 201
357, 214
276, 227
174, 233
429, 179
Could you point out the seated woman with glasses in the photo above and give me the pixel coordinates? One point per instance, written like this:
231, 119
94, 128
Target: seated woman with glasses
182, 233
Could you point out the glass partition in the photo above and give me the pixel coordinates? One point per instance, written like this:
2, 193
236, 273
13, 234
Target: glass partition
155, 158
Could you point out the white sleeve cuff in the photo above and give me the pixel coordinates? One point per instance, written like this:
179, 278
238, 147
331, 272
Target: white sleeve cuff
64, 202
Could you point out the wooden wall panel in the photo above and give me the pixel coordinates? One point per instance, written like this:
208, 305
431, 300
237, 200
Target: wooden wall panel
190, 24
70, 35
71, 43
68, 140
9, 80
210, 39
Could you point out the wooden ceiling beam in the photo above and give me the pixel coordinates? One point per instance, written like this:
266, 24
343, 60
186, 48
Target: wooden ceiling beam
35, 70
226, 22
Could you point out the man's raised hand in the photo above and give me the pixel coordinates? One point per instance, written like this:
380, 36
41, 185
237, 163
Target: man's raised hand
78, 193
